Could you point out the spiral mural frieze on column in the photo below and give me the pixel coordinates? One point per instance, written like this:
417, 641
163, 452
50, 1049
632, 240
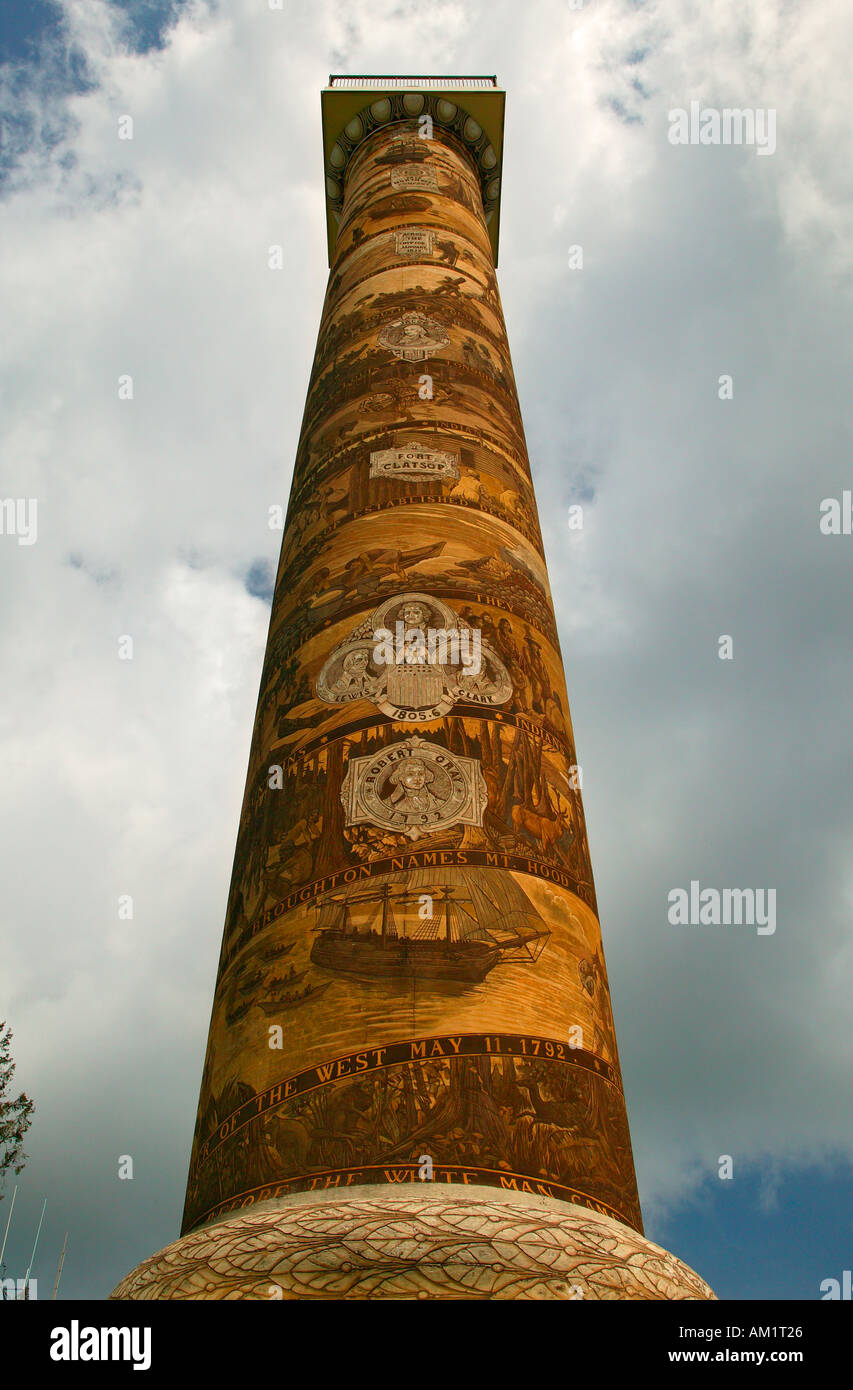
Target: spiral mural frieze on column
411, 965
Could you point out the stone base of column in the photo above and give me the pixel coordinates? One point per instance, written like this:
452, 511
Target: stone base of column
372, 1243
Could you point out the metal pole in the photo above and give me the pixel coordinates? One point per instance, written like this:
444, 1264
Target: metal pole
8, 1223
35, 1243
61, 1262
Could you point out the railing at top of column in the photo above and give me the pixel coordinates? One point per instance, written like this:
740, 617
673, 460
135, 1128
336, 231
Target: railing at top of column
377, 83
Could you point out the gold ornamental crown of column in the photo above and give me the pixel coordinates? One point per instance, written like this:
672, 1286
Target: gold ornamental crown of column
412, 1086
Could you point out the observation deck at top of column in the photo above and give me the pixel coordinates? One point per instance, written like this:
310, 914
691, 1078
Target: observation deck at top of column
471, 108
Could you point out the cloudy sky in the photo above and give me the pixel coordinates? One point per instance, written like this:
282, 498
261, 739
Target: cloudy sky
148, 257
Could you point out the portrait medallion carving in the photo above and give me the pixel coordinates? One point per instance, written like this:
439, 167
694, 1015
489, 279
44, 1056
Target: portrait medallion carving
414, 788
413, 337
414, 659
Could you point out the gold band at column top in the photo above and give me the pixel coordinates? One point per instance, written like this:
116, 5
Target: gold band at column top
474, 114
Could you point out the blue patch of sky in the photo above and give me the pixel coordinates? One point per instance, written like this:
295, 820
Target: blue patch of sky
260, 580
100, 576
35, 56
582, 490
762, 1234
24, 27
620, 109
149, 21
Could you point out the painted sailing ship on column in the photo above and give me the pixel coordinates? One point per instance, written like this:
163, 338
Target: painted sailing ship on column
410, 925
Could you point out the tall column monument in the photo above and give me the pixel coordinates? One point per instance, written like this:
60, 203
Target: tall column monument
412, 1087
